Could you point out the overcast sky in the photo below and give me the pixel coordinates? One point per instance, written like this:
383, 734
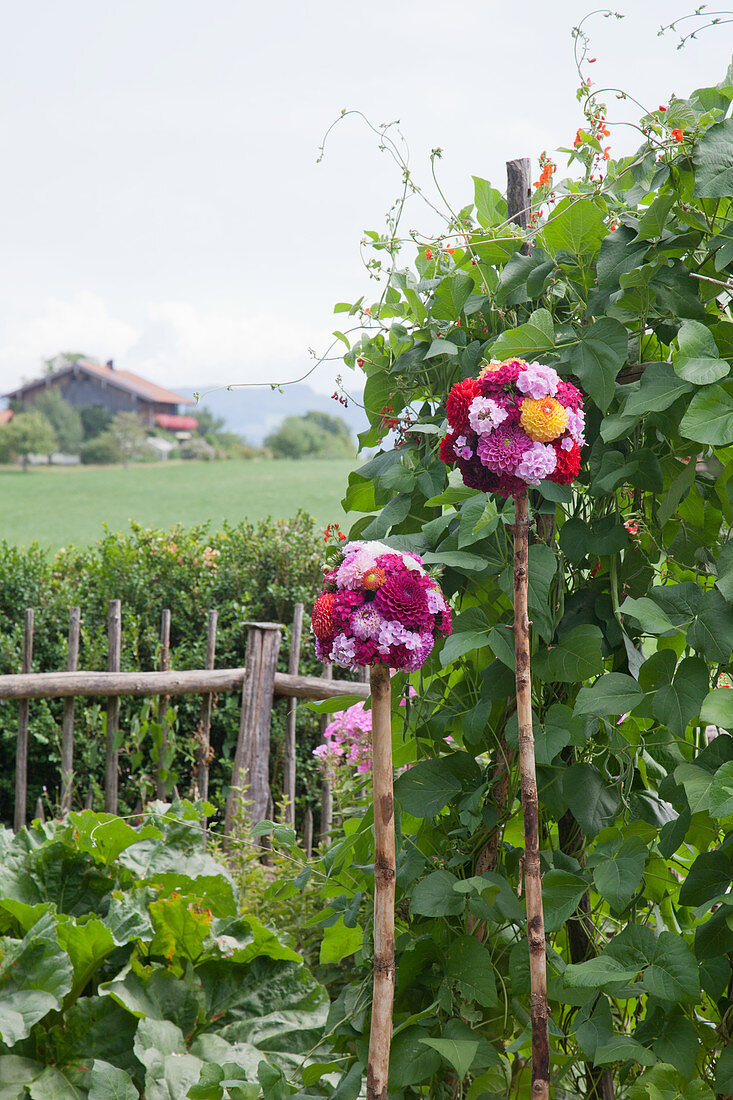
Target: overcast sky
162, 204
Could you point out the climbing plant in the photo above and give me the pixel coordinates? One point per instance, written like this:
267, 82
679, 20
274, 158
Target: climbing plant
625, 289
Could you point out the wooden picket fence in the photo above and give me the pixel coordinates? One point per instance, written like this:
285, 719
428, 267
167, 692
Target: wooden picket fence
258, 682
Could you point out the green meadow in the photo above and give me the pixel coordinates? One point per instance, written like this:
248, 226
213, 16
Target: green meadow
57, 506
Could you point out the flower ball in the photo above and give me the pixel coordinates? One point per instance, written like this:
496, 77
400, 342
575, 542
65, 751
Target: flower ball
378, 606
513, 426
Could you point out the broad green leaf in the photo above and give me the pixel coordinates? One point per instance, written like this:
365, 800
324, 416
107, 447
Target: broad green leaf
620, 1048
181, 927
654, 220
673, 974
451, 296
339, 942
604, 536
434, 896
696, 782
697, 359
724, 567
713, 158
542, 567
724, 1070
676, 704
105, 836
426, 788
56, 1084
593, 803
709, 417
576, 657
410, 1061
458, 1053
441, 347
597, 973
711, 634
491, 208
710, 876
107, 1082
87, 944
659, 388
468, 964
721, 791
613, 693
534, 338
663, 1082
35, 976
456, 559
598, 357
647, 614
618, 874
15, 1074
561, 894
576, 226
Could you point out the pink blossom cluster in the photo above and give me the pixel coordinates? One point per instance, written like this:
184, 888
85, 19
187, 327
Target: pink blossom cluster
513, 426
378, 606
348, 739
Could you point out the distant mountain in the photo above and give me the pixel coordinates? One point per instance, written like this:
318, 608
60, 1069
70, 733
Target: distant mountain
255, 412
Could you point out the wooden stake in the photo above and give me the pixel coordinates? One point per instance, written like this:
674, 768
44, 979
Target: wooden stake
289, 765
67, 734
114, 630
530, 809
21, 753
380, 1036
327, 784
202, 775
308, 833
163, 701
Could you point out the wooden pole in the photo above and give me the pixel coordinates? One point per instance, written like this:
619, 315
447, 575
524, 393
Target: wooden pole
327, 784
289, 764
114, 633
519, 193
530, 810
67, 733
21, 754
205, 722
308, 833
250, 768
163, 700
380, 1036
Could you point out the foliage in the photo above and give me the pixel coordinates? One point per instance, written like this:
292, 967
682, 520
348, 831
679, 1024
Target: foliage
26, 434
95, 419
314, 433
247, 572
102, 449
626, 290
127, 968
64, 418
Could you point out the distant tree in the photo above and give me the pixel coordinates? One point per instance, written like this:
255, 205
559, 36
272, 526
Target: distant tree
316, 434
95, 419
102, 450
132, 439
63, 359
209, 424
64, 418
27, 433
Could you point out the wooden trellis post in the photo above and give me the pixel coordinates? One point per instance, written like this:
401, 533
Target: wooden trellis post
250, 769
21, 756
114, 630
326, 785
289, 769
165, 650
67, 734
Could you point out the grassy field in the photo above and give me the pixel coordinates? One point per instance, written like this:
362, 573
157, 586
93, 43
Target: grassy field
57, 506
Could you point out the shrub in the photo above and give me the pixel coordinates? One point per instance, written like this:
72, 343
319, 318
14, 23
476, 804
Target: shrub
102, 450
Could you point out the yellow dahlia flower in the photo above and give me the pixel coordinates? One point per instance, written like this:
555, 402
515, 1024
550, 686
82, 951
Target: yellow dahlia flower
544, 419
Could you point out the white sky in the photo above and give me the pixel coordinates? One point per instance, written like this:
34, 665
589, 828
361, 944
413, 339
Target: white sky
161, 198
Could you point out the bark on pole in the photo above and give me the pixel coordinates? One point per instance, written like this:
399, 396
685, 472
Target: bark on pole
67, 741
530, 810
21, 754
114, 632
289, 768
380, 1036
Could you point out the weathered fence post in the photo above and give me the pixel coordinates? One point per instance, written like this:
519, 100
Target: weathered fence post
21, 755
250, 768
114, 632
326, 785
67, 734
308, 833
204, 727
289, 764
165, 649
519, 193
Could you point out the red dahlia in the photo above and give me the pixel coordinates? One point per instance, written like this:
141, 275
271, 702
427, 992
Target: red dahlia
568, 464
457, 404
322, 617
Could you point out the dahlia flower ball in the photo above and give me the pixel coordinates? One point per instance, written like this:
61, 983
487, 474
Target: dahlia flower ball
515, 425
378, 606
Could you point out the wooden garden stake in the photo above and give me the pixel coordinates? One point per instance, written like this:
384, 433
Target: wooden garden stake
384, 885
531, 862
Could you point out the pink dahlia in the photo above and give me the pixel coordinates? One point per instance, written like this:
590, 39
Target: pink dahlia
344, 604
495, 375
403, 598
502, 450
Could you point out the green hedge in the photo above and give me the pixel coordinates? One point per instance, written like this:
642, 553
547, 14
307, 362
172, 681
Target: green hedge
246, 572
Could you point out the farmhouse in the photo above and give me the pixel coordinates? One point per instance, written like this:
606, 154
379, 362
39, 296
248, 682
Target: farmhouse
86, 383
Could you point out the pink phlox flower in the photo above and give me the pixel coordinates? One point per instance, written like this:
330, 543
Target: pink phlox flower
538, 381
343, 651
569, 395
485, 414
576, 425
538, 462
392, 633
567, 443
436, 601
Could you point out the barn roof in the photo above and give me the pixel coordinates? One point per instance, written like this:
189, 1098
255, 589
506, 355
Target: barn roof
122, 379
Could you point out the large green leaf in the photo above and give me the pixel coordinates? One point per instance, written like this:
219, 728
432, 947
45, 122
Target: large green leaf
592, 802
659, 388
647, 614
468, 964
410, 1061
697, 359
535, 337
561, 894
15, 1074
35, 976
434, 896
721, 791
87, 943
542, 566
576, 657
451, 295
717, 708
618, 869
426, 788
458, 1053
339, 942
711, 634
576, 226
676, 704
709, 417
714, 162
107, 1082
613, 693
598, 357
